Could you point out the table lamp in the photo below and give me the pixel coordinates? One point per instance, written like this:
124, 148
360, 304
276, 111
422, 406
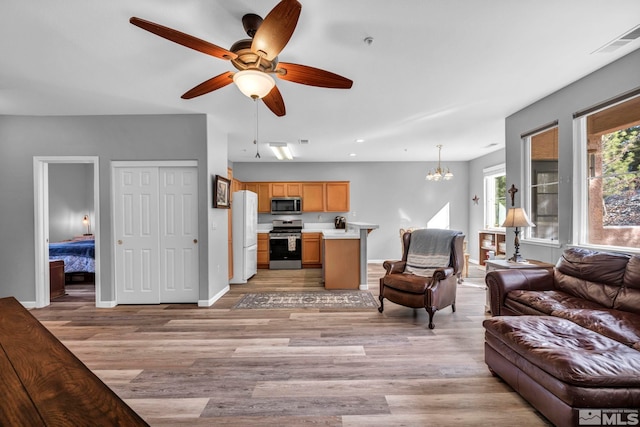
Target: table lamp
86, 223
517, 217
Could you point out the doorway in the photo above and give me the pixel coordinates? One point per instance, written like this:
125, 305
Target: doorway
42, 224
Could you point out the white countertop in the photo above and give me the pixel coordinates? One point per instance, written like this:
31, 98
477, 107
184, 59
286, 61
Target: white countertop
361, 225
340, 234
328, 230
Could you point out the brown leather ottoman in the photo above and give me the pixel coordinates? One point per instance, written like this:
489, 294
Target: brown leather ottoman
560, 367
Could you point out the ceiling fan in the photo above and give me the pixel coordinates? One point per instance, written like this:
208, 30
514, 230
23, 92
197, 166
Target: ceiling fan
256, 59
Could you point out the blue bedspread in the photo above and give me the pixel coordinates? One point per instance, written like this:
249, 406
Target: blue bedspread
86, 248
78, 256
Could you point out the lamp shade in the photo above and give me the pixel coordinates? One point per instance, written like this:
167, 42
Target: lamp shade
254, 83
517, 217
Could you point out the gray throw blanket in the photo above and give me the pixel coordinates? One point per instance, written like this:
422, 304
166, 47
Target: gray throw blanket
429, 249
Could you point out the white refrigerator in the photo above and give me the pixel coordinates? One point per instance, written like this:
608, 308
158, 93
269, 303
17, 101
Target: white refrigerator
244, 226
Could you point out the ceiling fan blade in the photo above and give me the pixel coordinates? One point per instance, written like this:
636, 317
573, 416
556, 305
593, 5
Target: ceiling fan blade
276, 29
274, 102
210, 85
183, 39
311, 76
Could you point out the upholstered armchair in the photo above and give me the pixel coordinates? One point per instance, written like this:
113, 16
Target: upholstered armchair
426, 276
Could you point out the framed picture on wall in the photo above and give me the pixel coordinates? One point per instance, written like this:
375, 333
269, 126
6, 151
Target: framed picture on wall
221, 192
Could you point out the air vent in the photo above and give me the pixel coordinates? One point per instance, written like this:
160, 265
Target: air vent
303, 141
623, 40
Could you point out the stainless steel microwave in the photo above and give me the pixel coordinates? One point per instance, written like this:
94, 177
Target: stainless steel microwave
286, 205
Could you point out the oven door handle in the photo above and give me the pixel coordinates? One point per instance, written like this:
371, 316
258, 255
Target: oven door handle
282, 238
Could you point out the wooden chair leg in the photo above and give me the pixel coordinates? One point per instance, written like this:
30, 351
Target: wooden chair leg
431, 312
453, 306
381, 308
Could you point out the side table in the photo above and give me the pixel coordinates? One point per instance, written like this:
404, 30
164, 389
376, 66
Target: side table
502, 264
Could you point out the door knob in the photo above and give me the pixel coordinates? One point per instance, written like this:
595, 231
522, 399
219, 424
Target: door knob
119, 242
195, 240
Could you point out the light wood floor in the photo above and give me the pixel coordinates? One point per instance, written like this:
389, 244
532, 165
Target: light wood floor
180, 365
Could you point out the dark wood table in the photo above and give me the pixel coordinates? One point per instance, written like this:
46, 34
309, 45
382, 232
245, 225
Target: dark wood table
43, 384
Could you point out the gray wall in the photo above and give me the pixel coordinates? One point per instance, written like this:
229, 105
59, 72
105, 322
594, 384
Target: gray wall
170, 137
392, 194
70, 198
476, 188
616, 78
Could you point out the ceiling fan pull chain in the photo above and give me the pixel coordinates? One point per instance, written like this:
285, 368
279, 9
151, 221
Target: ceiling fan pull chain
255, 141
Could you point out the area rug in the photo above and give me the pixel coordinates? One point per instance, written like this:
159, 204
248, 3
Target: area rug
318, 299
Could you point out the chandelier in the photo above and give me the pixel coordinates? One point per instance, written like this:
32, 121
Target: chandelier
439, 174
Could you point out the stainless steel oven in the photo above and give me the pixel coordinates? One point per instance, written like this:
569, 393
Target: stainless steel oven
285, 245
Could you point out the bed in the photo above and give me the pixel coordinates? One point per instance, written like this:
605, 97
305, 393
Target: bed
78, 256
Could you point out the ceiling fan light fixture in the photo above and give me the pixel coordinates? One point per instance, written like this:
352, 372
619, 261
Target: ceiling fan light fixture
281, 150
253, 83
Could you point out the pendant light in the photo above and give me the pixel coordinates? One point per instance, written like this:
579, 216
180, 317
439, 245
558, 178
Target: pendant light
439, 174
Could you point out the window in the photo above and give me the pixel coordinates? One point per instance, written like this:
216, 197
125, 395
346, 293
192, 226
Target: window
541, 183
495, 195
609, 177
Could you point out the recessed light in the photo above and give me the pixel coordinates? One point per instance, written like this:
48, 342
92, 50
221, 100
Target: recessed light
359, 140
352, 154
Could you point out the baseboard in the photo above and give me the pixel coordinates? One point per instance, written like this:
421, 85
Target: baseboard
213, 299
105, 304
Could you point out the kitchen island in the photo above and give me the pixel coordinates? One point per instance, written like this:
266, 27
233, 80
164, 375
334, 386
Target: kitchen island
341, 259
354, 231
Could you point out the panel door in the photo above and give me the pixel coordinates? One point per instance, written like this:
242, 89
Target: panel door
179, 264
136, 235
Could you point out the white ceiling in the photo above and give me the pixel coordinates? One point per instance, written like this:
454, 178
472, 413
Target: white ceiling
438, 71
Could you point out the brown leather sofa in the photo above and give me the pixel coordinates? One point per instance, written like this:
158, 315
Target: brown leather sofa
568, 340
433, 292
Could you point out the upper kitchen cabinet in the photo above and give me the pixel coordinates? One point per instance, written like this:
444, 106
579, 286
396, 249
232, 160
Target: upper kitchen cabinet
320, 196
331, 196
263, 190
337, 195
286, 189
313, 197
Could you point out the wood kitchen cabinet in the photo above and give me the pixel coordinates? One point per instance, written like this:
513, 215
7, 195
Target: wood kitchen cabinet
337, 196
331, 196
286, 189
263, 250
263, 190
341, 269
311, 250
312, 197
320, 196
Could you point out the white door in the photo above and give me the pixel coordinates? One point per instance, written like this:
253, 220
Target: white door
156, 233
136, 234
179, 280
